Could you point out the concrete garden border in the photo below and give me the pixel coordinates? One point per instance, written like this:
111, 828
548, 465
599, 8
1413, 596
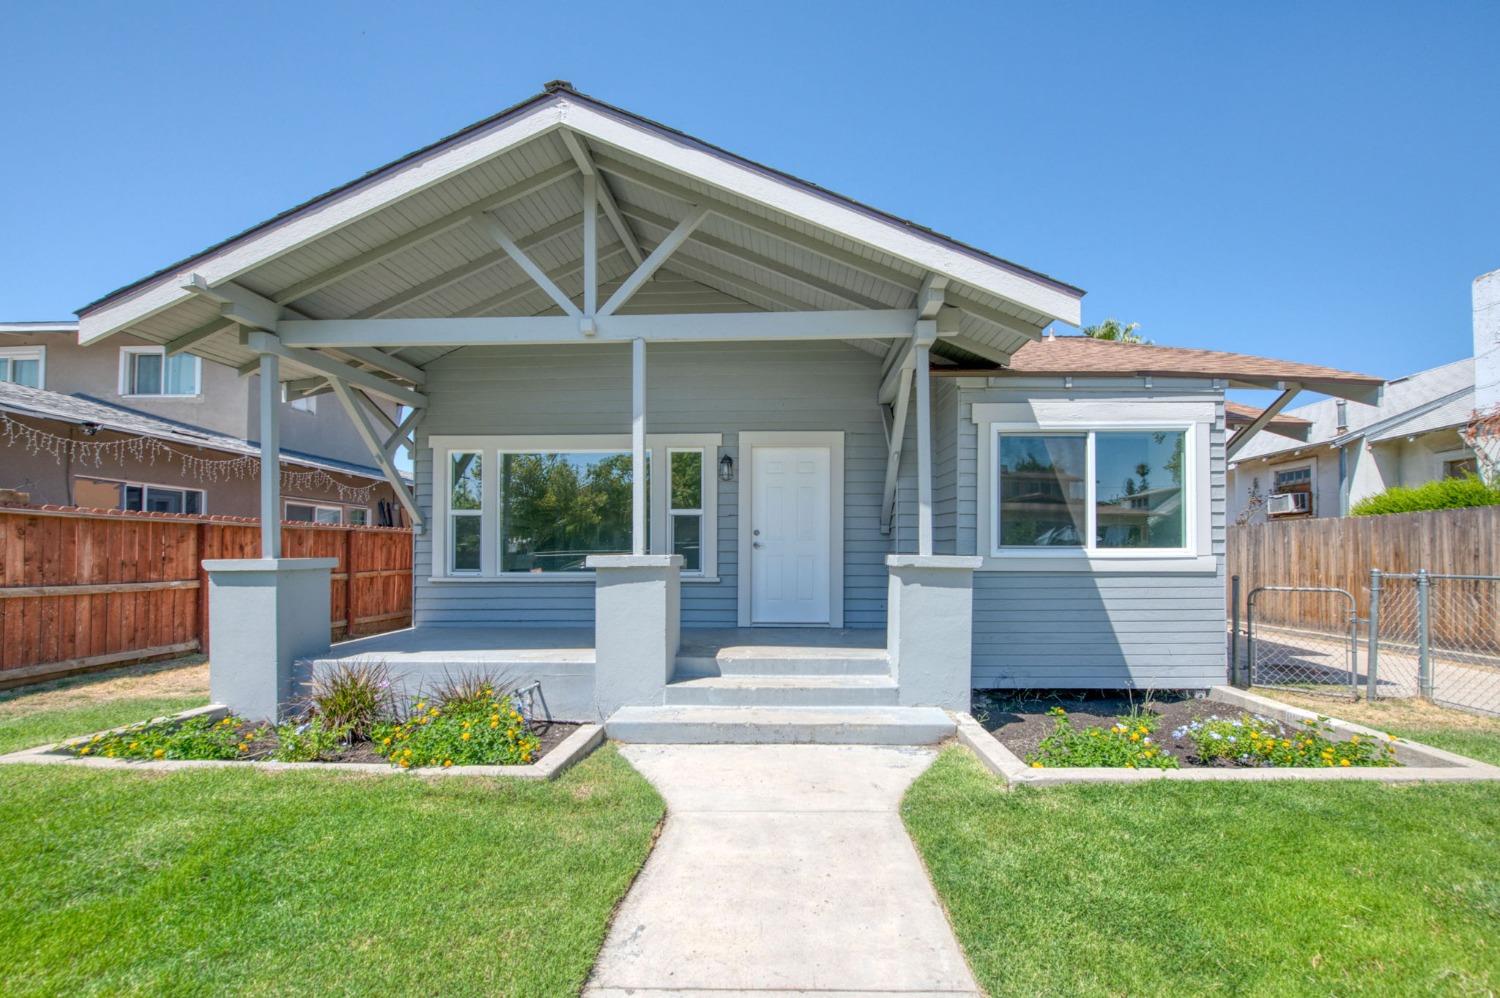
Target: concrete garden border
1420, 763
569, 751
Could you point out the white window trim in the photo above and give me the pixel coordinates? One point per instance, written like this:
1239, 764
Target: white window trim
1196, 419
37, 353
125, 392
492, 447
203, 493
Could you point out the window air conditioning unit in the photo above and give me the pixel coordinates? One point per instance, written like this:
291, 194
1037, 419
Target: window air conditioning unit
1285, 503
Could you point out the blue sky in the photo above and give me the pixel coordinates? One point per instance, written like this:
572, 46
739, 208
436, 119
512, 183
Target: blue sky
1309, 181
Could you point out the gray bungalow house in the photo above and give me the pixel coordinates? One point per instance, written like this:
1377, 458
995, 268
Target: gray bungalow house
712, 452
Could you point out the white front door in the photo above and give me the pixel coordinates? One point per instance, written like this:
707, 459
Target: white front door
789, 550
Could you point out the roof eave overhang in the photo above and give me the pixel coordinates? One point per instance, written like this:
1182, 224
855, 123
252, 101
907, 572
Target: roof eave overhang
599, 122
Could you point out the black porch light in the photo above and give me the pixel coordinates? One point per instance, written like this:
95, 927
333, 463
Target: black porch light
726, 468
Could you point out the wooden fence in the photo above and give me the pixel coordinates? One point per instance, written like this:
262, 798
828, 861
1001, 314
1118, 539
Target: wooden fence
86, 589
1340, 553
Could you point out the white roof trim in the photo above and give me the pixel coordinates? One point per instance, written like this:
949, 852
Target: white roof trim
928, 252
39, 327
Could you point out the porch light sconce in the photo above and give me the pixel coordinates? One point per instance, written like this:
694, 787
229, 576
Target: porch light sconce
726, 468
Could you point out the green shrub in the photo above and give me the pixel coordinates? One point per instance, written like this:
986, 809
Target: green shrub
195, 738
484, 732
308, 742
1259, 741
464, 690
1129, 742
1445, 493
352, 698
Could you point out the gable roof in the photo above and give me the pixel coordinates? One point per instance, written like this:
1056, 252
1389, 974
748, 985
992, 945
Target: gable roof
1084, 355
396, 243
84, 410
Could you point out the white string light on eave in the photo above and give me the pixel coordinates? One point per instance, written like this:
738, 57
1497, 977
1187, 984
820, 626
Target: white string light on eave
149, 450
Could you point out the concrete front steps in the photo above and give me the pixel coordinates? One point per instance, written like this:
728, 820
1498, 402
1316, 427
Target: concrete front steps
705, 725
761, 690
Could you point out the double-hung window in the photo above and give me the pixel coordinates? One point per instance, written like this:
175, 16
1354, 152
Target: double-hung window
465, 471
149, 371
534, 507
23, 365
1095, 490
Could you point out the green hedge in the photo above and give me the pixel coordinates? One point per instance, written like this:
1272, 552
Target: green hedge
1445, 493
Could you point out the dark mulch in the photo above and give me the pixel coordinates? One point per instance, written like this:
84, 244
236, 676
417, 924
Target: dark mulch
1021, 722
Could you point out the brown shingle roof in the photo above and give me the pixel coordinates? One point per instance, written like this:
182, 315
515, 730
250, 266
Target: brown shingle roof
1084, 355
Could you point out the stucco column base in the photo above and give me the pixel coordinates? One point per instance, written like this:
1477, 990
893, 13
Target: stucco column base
930, 628
263, 615
637, 628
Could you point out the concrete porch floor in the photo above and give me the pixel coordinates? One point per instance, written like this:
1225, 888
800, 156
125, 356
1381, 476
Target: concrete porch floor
456, 644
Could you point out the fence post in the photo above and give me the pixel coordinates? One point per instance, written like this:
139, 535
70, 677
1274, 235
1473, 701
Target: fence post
1248, 672
1372, 654
1424, 634
201, 552
1234, 633
348, 583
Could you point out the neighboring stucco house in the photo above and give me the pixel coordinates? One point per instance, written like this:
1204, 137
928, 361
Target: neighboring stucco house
695, 436
1351, 451
134, 389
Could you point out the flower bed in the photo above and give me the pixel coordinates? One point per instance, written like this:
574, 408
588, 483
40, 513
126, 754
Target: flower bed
352, 716
1166, 732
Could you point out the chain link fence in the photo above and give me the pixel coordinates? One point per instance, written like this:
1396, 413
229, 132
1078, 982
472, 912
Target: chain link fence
1435, 637
1431, 636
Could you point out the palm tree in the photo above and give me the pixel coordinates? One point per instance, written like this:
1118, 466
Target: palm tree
1114, 329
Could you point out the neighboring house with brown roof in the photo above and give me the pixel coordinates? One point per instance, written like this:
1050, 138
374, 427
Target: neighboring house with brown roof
132, 389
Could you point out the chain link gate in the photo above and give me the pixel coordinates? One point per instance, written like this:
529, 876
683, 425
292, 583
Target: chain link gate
1281, 654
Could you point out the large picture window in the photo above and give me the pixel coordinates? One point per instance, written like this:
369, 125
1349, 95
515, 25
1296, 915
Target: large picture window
535, 507
556, 509
1092, 490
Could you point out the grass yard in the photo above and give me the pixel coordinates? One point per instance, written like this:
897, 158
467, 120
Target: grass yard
241, 882
49, 712
1473, 735
1216, 888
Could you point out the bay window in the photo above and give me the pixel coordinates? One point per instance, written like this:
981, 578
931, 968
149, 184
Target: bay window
538, 507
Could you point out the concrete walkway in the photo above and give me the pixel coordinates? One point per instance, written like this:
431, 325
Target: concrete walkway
782, 869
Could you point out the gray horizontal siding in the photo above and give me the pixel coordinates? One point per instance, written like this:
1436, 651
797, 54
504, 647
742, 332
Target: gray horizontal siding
691, 388
1078, 630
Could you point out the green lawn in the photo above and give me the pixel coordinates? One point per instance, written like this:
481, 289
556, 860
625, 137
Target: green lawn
240, 882
1220, 888
46, 726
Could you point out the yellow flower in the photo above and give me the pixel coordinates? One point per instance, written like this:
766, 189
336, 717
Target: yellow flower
465, 736
244, 747
494, 723
447, 763
1285, 743
159, 753
1135, 737
1036, 765
135, 745
85, 750
1354, 740
1343, 762
387, 741
466, 724
494, 717
434, 712
405, 763
421, 704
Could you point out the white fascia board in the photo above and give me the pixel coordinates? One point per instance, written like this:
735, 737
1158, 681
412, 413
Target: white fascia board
821, 210
342, 334
323, 217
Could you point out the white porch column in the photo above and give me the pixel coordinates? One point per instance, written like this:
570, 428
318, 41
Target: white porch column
930, 628
924, 448
638, 447
270, 457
